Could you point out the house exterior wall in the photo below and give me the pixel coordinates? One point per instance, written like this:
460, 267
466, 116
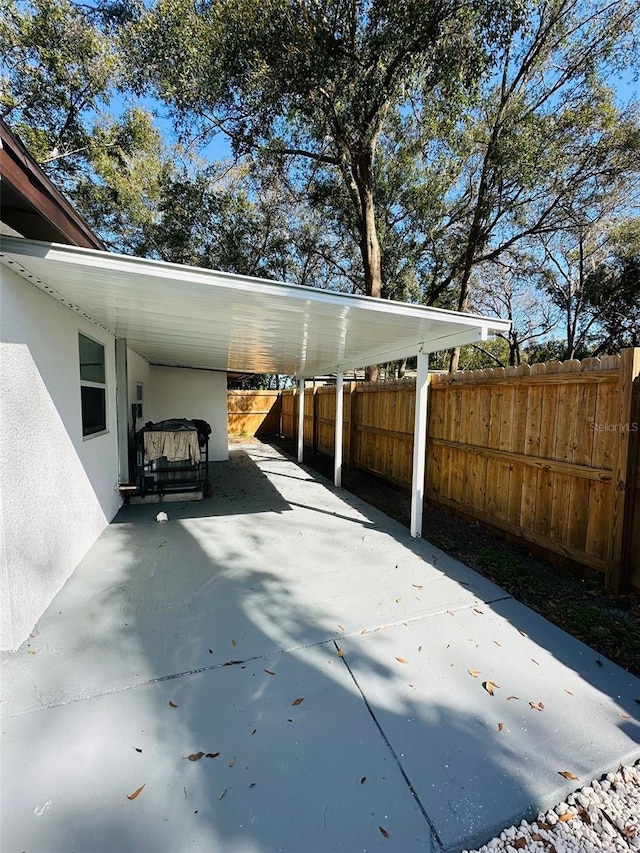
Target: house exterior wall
58, 491
176, 392
137, 371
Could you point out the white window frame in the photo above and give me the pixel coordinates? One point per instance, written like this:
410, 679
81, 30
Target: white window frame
85, 383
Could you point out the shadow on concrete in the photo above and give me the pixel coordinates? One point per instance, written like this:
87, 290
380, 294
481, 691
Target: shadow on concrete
199, 635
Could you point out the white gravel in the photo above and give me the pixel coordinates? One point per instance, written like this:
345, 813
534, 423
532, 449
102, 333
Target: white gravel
603, 816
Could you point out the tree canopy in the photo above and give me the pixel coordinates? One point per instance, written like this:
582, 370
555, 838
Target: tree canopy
475, 156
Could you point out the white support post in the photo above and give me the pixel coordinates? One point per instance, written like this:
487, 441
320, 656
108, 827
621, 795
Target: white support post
300, 419
337, 458
419, 445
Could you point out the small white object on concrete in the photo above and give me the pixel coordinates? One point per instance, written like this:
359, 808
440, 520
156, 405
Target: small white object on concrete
162, 516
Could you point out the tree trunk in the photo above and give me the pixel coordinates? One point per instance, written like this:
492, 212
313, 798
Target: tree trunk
369, 244
454, 361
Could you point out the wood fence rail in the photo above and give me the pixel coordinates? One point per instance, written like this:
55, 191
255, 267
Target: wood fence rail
547, 453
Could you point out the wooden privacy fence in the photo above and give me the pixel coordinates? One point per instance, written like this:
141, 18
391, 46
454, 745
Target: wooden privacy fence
547, 453
253, 412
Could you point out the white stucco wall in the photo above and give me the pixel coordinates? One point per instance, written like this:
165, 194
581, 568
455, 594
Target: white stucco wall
57, 491
137, 371
176, 392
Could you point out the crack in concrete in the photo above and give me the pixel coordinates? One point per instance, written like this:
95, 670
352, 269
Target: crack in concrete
353, 635
432, 829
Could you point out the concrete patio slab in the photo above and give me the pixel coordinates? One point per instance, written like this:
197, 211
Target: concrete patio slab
479, 761
295, 783
278, 571
273, 560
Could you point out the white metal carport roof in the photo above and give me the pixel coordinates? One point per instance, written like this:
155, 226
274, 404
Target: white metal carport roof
190, 317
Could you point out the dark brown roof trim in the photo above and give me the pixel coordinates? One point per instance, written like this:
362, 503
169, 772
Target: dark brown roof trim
32, 205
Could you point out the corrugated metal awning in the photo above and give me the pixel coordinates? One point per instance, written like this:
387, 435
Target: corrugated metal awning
191, 317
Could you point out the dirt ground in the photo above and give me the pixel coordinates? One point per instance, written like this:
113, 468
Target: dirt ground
608, 623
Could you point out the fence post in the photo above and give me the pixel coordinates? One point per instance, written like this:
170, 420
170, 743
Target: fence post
314, 422
618, 561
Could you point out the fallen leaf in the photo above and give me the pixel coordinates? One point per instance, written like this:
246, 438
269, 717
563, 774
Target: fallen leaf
210, 651
137, 749
135, 793
624, 716
341, 627
340, 653
566, 817
490, 686
252, 785
233, 643
383, 831
538, 706
269, 672
232, 761
569, 692
521, 632
544, 826
298, 701
419, 648
417, 585
567, 774
363, 780
172, 704
477, 610
497, 643
584, 814
222, 793
474, 672
520, 843
253, 732
398, 600
212, 755
535, 661
195, 756
500, 726
450, 612
31, 652
402, 660
509, 698
231, 662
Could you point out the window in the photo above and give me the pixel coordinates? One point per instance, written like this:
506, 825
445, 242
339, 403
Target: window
139, 398
93, 387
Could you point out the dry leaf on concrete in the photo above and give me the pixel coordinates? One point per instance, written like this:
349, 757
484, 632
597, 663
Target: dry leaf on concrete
135, 793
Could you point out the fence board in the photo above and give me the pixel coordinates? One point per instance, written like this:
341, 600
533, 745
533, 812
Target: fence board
631, 544
253, 412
